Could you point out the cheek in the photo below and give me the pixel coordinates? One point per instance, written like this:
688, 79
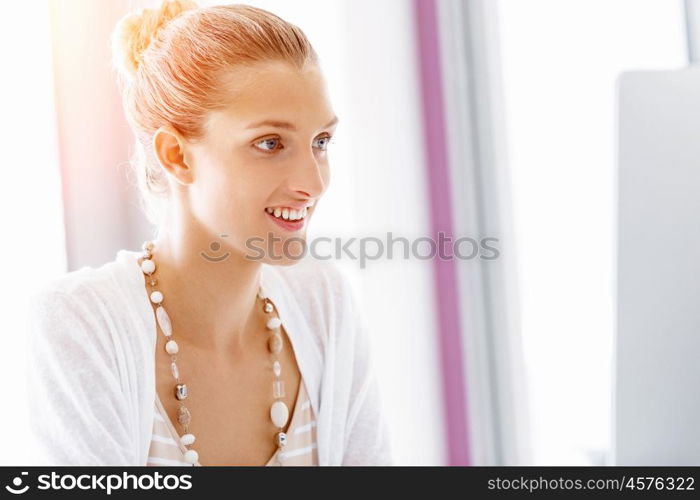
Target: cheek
224, 196
233, 183
326, 175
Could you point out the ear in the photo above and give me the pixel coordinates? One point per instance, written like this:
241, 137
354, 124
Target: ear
169, 147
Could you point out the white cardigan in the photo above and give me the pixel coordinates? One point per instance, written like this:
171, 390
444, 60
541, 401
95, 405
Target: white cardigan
91, 376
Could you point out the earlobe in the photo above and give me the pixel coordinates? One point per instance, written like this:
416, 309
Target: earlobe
169, 148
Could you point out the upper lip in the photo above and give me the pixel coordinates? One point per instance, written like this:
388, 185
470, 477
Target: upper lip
296, 205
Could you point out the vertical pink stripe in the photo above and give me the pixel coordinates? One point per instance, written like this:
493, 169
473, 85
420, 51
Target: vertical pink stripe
441, 221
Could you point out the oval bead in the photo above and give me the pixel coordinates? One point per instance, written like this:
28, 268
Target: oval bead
184, 416
174, 370
275, 343
273, 323
191, 456
277, 368
268, 307
164, 321
261, 293
171, 347
187, 439
148, 266
156, 297
279, 413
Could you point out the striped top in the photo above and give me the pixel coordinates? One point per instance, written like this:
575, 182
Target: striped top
300, 449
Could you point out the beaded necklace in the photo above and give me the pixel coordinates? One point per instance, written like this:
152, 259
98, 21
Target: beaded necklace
279, 413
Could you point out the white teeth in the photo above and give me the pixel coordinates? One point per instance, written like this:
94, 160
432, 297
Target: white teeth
288, 213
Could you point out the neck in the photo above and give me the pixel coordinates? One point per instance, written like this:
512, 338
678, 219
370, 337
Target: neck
212, 304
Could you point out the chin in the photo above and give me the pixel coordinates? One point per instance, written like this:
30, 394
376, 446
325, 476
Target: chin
288, 253
278, 249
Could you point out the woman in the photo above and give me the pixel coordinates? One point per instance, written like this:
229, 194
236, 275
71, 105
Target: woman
215, 344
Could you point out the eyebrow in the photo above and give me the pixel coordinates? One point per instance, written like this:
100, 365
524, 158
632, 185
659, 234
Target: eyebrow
285, 125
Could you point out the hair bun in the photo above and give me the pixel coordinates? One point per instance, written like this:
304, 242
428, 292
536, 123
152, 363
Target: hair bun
135, 31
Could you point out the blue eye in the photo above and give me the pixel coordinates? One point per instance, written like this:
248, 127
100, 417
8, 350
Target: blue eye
267, 142
271, 144
327, 140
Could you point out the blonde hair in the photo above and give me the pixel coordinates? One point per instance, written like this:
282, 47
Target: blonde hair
171, 62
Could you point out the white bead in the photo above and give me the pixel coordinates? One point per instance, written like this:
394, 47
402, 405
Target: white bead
191, 456
273, 323
174, 370
164, 321
277, 368
156, 297
187, 439
279, 413
148, 266
261, 293
171, 347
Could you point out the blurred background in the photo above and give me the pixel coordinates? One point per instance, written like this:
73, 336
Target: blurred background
566, 129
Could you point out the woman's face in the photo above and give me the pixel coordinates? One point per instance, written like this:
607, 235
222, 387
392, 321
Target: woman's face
262, 166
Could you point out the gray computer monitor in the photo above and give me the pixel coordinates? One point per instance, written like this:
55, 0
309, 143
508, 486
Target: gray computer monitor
656, 390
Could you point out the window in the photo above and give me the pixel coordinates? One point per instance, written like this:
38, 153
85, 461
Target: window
560, 61
31, 214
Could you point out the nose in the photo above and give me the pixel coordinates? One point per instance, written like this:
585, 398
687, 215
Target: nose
310, 177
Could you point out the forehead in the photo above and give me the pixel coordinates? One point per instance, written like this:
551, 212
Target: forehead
275, 91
